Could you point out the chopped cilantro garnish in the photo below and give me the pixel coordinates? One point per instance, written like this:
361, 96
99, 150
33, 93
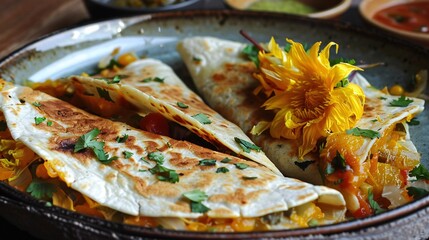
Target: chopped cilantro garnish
313, 223
165, 174
417, 193
364, 133
401, 102
251, 51
41, 189
37, 104
115, 79
122, 139
207, 162
197, 197
374, 205
225, 160
202, 118
127, 154
342, 83
158, 157
182, 105
39, 120
241, 165
246, 146
103, 93
222, 170
88, 141
342, 60
49, 123
420, 172
153, 79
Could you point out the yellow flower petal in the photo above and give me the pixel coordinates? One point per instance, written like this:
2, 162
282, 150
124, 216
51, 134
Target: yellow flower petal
301, 88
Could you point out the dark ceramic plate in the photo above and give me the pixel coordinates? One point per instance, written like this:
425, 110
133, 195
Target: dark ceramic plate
156, 35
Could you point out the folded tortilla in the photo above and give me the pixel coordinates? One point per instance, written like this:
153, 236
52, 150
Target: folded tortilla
225, 79
152, 86
134, 183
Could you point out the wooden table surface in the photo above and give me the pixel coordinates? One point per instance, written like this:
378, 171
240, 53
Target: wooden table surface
23, 21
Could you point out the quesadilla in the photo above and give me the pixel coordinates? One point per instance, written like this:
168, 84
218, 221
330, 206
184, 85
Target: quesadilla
147, 175
149, 85
347, 159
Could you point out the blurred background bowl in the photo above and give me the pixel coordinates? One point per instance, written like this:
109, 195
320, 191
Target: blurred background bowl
99, 9
369, 8
324, 9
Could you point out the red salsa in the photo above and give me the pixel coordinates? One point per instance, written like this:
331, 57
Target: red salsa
412, 16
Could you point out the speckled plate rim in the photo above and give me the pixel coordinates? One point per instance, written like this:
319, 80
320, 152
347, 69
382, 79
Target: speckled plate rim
349, 226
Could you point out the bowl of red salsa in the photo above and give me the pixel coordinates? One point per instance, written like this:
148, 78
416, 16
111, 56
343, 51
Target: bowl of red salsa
406, 18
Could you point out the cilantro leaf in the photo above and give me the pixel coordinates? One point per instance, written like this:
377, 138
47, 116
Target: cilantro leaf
153, 79
226, 160
83, 141
401, 102
158, 157
420, 172
417, 193
88, 141
374, 205
198, 207
182, 105
164, 174
207, 162
246, 146
41, 189
202, 118
342, 83
122, 139
251, 51
241, 165
39, 120
364, 133
342, 60
127, 154
222, 170
103, 93
37, 104
196, 197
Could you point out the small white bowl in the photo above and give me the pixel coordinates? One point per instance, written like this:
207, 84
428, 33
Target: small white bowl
368, 8
329, 9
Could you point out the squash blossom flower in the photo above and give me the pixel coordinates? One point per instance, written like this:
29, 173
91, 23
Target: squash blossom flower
310, 98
